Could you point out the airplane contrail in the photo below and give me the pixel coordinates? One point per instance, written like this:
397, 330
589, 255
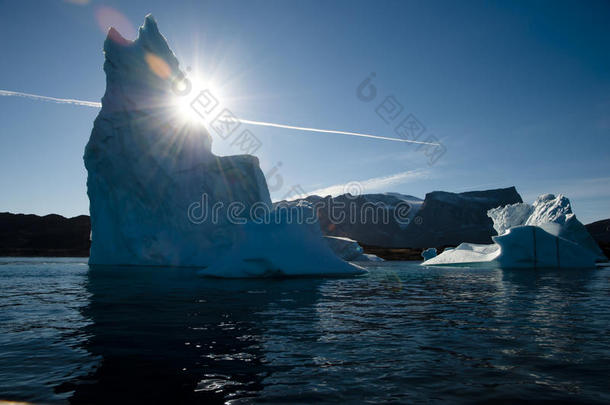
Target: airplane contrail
51, 99
332, 131
95, 104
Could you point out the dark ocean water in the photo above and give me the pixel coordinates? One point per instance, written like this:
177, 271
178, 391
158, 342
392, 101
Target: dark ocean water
401, 334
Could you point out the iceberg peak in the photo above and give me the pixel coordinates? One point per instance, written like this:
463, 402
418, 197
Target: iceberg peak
550, 208
115, 37
150, 23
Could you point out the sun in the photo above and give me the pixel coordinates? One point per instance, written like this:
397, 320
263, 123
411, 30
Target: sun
207, 90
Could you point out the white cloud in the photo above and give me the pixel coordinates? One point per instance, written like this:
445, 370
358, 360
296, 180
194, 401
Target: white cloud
382, 183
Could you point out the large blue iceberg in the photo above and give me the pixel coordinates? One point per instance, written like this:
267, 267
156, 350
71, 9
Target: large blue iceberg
147, 167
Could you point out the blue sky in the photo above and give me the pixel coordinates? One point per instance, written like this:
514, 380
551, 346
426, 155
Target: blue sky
517, 92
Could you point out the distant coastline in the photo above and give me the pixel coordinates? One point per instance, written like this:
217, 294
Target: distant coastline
28, 235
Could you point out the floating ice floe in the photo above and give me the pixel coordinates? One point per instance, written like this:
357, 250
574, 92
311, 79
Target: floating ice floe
429, 253
153, 181
348, 249
545, 234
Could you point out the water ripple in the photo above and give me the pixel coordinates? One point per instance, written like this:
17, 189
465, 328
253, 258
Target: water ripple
401, 334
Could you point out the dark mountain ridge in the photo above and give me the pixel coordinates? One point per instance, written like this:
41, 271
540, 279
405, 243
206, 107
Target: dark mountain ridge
50, 235
600, 230
442, 219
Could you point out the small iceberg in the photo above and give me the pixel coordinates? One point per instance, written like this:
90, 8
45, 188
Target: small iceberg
350, 250
429, 253
545, 234
521, 246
